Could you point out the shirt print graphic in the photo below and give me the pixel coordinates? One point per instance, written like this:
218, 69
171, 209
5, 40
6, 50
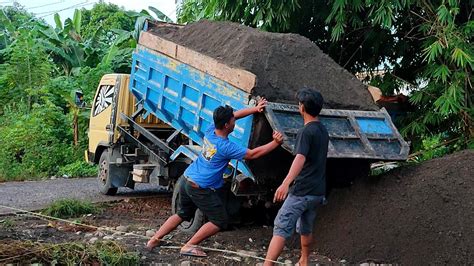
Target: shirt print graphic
208, 150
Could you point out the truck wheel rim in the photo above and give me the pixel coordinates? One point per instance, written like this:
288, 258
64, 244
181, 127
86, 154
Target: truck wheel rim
103, 172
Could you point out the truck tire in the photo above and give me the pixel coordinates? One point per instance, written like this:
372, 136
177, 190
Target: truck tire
104, 176
195, 223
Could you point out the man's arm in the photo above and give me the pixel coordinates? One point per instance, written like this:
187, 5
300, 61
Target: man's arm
265, 149
251, 110
295, 169
302, 146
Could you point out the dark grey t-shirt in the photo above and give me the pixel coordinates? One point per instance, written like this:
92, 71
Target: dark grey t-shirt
312, 142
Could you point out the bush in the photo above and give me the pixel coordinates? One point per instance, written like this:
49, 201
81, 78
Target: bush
110, 253
434, 146
68, 208
78, 169
432, 149
34, 143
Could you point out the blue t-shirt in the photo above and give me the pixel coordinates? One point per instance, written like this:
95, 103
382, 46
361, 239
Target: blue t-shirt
207, 171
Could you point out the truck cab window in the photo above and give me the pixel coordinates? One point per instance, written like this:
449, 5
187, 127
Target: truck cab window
103, 99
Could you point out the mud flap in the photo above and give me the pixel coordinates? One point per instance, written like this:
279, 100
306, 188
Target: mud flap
120, 176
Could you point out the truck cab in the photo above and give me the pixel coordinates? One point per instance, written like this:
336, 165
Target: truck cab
107, 145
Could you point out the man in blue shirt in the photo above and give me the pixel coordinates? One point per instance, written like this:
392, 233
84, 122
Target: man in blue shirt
205, 176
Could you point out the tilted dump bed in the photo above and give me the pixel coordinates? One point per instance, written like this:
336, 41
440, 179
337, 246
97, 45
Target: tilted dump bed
182, 88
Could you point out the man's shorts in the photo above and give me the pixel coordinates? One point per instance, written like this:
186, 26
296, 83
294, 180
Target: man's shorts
206, 199
299, 212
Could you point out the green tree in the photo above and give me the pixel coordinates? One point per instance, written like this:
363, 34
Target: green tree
425, 45
26, 71
268, 15
66, 45
440, 37
107, 17
42, 132
13, 18
119, 54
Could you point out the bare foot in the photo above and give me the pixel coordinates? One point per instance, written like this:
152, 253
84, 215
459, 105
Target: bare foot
152, 243
193, 251
302, 262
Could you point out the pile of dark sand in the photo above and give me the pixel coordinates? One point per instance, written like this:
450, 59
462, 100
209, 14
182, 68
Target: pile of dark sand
416, 215
283, 63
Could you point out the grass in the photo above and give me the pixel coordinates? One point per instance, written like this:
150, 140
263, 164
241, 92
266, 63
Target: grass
70, 253
78, 169
69, 208
75, 169
7, 223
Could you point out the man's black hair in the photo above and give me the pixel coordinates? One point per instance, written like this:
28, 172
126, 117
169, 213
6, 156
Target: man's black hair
222, 115
311, 99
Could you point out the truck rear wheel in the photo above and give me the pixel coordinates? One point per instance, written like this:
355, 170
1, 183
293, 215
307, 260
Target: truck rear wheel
195, 223
104, 176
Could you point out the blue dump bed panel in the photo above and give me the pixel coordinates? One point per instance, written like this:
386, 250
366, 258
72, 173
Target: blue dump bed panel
185, 97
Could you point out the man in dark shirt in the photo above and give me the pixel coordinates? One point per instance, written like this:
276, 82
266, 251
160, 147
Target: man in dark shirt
307, 174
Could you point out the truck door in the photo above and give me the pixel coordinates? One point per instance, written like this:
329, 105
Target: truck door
102, 118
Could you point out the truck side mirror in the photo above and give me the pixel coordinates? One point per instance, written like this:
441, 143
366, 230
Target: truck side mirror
79, 99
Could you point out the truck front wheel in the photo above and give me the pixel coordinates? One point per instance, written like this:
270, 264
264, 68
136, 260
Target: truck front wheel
104, 177
195, 223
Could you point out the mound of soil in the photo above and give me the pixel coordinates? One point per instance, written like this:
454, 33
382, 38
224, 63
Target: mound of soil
283, 63
422, 214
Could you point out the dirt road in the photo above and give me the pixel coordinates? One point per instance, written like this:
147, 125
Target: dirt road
34, 195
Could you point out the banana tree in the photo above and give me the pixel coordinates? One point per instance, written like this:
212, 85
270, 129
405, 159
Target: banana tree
66, 45
144, 15
119, 53
6, 27
13, 18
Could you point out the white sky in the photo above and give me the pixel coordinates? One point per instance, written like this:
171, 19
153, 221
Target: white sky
65, 8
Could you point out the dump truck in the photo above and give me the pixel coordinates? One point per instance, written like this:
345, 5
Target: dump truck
148, 126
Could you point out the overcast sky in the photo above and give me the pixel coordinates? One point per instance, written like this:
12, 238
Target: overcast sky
47, 8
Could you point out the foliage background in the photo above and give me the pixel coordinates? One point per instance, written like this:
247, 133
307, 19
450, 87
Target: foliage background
40, 68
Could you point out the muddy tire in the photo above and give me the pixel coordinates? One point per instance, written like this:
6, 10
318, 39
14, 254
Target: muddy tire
195, 223
104, 176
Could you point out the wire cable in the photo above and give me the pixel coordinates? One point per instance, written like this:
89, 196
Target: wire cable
50, 4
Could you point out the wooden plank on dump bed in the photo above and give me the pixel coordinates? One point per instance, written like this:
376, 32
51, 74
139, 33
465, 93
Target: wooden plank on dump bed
158, 44
239, 78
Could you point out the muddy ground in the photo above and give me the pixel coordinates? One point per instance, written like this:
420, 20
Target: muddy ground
138, 216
